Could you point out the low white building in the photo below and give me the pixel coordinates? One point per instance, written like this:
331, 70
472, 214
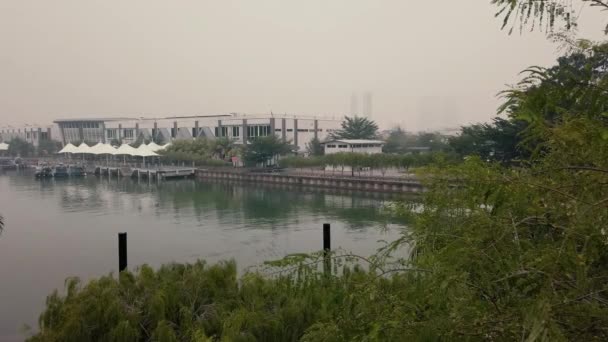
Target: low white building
299, 130
353, 145
29, 133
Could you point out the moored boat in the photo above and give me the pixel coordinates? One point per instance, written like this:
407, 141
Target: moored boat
77, 171
43, 172
7, 164
60, 171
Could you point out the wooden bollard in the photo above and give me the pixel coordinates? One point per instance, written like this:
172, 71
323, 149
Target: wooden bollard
326, 238
122, 251
327, 248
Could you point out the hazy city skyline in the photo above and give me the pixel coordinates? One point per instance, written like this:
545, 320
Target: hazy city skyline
427, 67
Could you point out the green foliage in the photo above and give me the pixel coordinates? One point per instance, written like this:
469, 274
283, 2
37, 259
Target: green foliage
48, 147
356, 128
203, 152
315, 148
263, 149
193, 302
21, 148
500, 141
542, 14
546, 97
378, 161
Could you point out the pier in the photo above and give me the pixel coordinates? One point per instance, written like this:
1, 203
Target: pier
338, 182
157, 173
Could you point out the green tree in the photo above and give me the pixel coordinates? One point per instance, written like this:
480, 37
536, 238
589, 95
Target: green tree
48, 147
263, 149
499, 141
398, 141
223, 147
315, 148
356, 128
542, 14
21, 148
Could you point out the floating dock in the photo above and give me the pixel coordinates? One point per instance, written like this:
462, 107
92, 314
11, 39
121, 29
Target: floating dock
158, 173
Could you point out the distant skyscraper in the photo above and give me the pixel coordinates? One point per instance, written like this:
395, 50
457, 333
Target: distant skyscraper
367, 104
354, 104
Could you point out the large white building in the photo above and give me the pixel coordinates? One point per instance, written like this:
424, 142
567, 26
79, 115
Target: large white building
353, 145
298, 130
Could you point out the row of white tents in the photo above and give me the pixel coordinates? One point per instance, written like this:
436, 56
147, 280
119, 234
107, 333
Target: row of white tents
143, 150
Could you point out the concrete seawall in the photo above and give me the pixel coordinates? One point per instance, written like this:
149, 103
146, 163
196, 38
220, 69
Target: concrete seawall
349, 183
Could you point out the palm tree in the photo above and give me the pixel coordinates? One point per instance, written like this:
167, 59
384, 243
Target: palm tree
356, 128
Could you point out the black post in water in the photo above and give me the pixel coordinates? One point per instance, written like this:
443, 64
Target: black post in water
326, 238
326, 247
122, 251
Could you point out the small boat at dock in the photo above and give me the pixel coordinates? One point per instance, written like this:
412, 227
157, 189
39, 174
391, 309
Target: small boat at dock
59, 171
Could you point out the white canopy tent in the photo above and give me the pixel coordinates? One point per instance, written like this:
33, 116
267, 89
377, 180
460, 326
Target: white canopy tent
154, 146
101, 148
4, 146
144, 151
83, 149
69, 148
125, 150
106, 149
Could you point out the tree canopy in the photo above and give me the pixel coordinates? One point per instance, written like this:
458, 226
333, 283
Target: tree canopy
261, 150
21, 148
315, 148
356, 128
542, 14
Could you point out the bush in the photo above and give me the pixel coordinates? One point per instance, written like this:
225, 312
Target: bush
192, 302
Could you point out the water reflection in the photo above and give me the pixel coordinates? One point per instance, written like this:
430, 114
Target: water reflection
67, 227
231, 203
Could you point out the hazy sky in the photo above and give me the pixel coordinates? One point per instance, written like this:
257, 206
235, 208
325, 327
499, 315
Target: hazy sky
429, 64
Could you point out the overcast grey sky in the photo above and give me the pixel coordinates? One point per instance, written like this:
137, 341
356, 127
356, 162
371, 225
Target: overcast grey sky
429, 64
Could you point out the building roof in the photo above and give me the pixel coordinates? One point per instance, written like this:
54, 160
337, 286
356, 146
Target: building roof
93, 119
355, 141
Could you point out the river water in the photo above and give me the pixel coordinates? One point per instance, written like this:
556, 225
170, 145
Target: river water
60, 228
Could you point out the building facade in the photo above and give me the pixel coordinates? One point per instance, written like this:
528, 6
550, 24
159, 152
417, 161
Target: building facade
353, 145
31, 134
298, 130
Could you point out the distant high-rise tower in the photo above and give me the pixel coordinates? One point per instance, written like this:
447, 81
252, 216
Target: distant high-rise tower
367, 104
354, 104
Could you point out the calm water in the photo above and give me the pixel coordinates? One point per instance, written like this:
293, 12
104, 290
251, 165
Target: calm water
60, 228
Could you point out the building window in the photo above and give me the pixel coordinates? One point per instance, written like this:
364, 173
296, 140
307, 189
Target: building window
342, 146
236, 132
128, 133
112, 134
331, 146
290, 130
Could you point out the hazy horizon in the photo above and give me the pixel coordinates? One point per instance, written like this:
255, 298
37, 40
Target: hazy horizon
429, 65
